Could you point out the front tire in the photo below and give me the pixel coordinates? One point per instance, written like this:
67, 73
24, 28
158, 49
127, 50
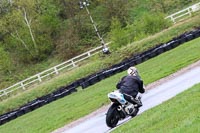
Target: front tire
112, 116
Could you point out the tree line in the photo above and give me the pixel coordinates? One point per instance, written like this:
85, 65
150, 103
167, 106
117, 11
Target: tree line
32, 31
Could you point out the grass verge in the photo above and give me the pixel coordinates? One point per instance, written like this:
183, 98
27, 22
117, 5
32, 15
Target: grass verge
72, 107
97, 63
178, 115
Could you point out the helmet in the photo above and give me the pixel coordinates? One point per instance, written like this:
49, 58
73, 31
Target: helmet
132, 71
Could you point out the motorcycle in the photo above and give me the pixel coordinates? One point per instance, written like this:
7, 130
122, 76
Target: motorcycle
120, 108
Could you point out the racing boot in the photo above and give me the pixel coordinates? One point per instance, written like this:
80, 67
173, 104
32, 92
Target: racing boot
137, 101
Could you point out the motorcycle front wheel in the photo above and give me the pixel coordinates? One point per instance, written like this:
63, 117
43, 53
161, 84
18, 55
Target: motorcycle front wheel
112, 116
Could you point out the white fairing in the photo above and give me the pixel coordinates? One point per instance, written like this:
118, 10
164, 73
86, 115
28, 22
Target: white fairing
118, 96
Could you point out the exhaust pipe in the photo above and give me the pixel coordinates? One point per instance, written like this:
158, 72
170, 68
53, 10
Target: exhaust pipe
121, 112
119, 108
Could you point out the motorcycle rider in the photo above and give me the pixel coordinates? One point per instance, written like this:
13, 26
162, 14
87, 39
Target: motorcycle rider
130, 86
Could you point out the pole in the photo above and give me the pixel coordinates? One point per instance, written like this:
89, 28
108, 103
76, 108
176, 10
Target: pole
95, 27
105, 49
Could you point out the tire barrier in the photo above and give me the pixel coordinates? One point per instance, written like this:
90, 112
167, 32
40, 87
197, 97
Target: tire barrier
97, 77
39, 102
139, 58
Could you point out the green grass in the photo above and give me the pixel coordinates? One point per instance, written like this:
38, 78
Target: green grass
77, 105
178, 115
95, 64
136, 9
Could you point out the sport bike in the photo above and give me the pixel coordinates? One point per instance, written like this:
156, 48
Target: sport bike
119, 109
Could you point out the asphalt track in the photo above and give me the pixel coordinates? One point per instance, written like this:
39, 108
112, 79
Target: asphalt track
150, 99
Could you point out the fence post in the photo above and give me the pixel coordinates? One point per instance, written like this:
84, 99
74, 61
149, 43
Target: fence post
22, 85
89, 54
39, 78
5, 93
173, 19
74, 65
189, 12
56, 70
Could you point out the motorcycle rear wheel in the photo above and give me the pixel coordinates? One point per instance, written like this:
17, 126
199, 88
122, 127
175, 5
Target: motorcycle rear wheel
112, 116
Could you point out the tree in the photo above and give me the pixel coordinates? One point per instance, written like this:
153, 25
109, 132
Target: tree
69, 8
16, 30
5, 60
118, 34
69, 45
5, 5
116, 9
30, 26
165, 6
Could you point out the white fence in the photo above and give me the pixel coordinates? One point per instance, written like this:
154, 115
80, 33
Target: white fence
178, 16
68, 65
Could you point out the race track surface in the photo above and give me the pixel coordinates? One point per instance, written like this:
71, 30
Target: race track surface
150, 99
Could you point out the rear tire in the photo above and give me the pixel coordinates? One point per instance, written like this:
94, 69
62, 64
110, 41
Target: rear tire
112, 116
